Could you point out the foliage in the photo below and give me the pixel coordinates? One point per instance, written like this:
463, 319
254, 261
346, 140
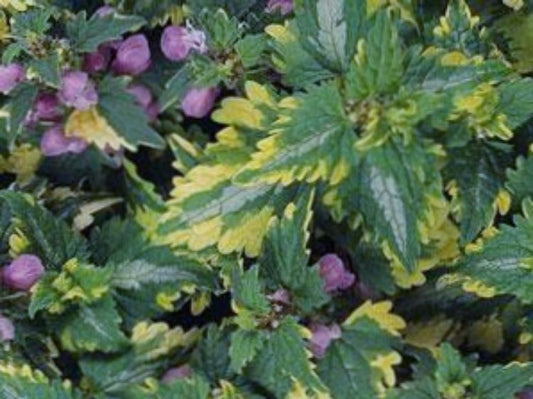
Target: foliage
267, 199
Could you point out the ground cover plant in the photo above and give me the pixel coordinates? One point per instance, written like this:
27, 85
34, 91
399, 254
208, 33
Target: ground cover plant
266, 199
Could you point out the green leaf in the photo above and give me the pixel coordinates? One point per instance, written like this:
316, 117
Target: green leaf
92, 328
387, 190
22, 98
284, 260
314, 141
48, 69
245, 345
346, 368
378, 65
132, 275
21, 387
76, 284
504, 262
49, 238
501, 382
211, 356
282, 359
248, 291
297, 66
176, 88
478, 169
87, 35
330, 29
516, 101
129, 120
251, 49
519, 179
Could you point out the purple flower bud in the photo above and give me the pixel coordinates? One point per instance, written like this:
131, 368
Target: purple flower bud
104, 11
77, 90
321, 338
198, 102
98, 60
525, 395
45, 108
10, 76
23, 272
177, 373
7, 329
178, 41
133, 56
284, 6
54, 142
335, 276
281, 296
144, 98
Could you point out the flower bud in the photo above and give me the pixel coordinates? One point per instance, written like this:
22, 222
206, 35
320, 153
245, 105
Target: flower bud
133, 56
177, 373
7, 329
198, 102
104, 11
321, 338
334, 274
178, 41
23, 272
78, 91
284, 6
98, 60
144, 98
10, 76
54, 142
281, 296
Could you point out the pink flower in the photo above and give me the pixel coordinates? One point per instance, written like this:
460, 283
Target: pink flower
45, 108
525, 395
104, 11
144, 98
10, 76
7, 329
177, 42
98, 60
77, 90
23, 272
321, 338
198, 102
133, 56
177, 373
284, 6
334, 274
54, 142
281, 296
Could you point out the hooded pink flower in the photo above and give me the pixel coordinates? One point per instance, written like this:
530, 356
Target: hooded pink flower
334, 274
321, 338
54, 142
10, 76
525, 395
7, 329
177, 373
104, 11
198, 102
77, 90
144, 98
284, 6
133, 56
98, 60
178, 41
45, 108
23, 272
